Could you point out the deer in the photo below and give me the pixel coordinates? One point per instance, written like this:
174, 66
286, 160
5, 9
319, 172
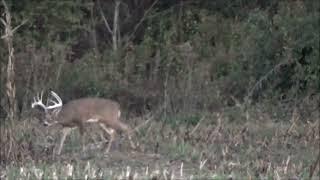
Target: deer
79, 112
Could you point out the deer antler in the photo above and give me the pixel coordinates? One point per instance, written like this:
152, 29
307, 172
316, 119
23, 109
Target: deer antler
57, 103
37, 101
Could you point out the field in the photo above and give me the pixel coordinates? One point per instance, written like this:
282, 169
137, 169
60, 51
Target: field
228, 145
224, 89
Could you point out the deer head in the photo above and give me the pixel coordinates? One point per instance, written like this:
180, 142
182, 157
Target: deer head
51, 109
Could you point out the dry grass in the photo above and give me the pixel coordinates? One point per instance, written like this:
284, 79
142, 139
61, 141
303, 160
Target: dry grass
254, 147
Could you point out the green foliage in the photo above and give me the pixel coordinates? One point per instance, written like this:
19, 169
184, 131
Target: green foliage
50, 20
199, 53
245, 51
176, 121
297, 28
82, 80
182, 150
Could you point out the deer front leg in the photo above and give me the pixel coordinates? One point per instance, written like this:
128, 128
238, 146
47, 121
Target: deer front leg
111, 132
125, 128
65, 132
82, 132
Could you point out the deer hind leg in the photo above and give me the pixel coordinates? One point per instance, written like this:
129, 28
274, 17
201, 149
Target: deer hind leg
65, 131
129, 132
111, 132
82, 132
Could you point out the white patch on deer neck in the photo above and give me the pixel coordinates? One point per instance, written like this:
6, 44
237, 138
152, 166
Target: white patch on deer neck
92, 120
119, 114
46, 123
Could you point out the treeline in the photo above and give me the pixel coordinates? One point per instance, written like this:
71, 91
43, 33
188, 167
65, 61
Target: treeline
186, 55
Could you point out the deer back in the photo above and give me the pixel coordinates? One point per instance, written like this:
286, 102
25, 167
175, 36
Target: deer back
84, 109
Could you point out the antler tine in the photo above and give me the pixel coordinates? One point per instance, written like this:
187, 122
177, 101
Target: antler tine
41, 95
56, 96
37, 100
57, 103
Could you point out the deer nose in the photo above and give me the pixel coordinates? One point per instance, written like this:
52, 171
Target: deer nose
45, 123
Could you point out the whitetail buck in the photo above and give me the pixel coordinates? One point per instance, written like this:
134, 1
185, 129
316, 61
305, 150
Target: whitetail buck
79, 112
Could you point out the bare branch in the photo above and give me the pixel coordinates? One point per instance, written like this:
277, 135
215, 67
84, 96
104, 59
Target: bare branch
140, 22
23, 22
3, 22
115, 26
10, 84
104, 19
12, 31
198, 124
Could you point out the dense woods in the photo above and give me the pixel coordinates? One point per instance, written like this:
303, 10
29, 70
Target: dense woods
180, 60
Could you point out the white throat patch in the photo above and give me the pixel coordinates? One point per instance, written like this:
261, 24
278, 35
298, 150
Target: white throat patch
92, 120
